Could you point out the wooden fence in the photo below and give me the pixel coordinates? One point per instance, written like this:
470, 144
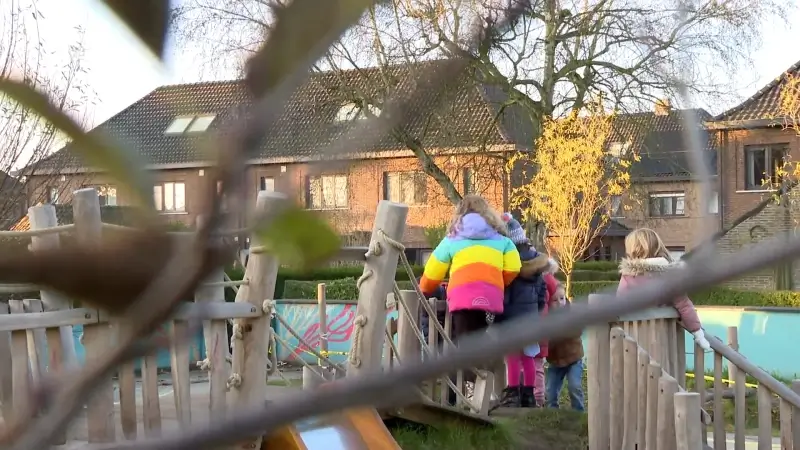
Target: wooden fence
638, 396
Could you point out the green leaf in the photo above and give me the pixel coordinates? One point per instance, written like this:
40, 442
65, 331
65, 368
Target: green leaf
299, 238
124, 166
303, 31
148, 19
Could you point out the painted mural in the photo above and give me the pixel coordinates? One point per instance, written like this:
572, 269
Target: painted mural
304, 319
161, 336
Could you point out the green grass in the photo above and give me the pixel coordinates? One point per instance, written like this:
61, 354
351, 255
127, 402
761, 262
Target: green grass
539, 429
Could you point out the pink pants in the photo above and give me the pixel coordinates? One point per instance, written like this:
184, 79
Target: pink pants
538, 384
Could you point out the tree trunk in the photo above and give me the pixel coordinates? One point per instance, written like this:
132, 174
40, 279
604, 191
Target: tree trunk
568, 283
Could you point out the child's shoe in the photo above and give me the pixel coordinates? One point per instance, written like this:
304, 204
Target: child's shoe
510, 398
526, 398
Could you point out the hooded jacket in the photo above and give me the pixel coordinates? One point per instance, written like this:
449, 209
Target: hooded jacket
481, 263
635, 272
528, 292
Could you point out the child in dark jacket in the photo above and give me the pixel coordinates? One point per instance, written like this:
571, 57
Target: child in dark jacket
527, 294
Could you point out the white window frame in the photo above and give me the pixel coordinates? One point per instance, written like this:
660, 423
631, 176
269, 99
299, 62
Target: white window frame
103, 191
404, 180
53, 193
673, 195
713, 203
266, 184
161, 193
201, 123
352, 111
750, 183
336, 201
179, 125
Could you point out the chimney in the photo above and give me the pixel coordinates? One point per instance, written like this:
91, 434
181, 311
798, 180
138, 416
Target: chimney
662, 107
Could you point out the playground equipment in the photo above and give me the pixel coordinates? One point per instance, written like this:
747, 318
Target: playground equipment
638, 397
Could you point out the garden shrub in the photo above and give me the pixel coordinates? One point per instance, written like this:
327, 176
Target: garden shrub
345, 289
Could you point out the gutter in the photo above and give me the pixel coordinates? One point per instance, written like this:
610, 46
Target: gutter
744, 124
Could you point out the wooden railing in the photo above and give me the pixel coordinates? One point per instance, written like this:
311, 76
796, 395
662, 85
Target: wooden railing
768, 390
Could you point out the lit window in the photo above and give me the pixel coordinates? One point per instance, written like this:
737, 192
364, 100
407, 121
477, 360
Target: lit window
266, 184
52, 195
179, 125
170, 197
713, 203
201, 123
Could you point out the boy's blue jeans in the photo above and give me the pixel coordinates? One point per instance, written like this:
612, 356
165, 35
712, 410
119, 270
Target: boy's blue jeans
555, 381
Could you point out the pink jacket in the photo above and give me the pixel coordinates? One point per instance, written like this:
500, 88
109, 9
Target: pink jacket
637, 271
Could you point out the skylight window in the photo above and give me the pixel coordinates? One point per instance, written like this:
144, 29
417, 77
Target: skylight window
201, 123
190, 124
352, 111
179, 125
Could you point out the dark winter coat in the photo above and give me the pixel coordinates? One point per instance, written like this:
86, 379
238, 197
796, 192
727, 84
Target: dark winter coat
528, 292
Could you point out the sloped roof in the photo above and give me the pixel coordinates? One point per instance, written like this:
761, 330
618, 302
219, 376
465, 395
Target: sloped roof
661, 143
465, 119
763, 104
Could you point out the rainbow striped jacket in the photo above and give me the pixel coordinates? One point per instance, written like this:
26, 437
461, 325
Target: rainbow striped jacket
480, 261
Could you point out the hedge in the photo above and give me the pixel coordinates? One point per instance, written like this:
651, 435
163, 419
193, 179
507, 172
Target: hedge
345, 289
585, 271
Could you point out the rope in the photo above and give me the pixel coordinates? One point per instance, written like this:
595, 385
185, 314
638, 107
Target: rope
302, 341
421, 337
227, 278
234, 381
358, 325
204, 365
303, 362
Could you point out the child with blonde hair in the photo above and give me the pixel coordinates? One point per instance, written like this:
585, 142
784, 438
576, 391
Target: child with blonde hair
480, 260
647, 257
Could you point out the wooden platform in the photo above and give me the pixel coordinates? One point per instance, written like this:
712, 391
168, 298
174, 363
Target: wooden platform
438, 415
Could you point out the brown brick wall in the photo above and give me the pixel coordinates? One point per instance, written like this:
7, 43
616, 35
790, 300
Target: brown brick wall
735, 200
365, 189
686, 231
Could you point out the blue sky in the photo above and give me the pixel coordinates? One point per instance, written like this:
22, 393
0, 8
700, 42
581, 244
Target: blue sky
121, 71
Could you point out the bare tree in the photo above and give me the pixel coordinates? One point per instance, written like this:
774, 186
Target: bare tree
26, 138
557, 56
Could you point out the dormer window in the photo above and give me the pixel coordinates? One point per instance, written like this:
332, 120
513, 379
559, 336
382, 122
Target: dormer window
618, 149
352, 111
190, 124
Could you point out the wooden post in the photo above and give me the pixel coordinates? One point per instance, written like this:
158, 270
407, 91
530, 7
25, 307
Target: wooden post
700, 381
250, 354
687, 421
764, 418
651, 425
62, 354
616, 416
96, 338
215, 333
379, 272
322, 303
719, 412
311, 379
796, 415
667, 388
733, 342
408, 345
630, 380
6, 371
643, 376
599, 382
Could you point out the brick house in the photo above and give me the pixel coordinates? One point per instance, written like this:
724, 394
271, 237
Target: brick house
753, 143
463, 137
664, 192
